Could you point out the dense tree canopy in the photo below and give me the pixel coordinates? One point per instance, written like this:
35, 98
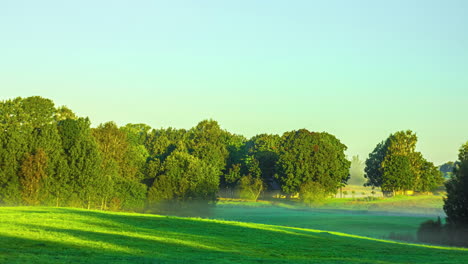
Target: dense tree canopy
456, 203
395, 165
185, 177
306, 156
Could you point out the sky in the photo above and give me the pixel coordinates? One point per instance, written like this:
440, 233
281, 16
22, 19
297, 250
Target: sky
359, 70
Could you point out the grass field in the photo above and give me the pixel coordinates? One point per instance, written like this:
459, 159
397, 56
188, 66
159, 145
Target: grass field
400, 215
64, 235
418, 204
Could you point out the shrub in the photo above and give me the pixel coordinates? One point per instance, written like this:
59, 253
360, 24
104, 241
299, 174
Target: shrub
312, 193
430, 232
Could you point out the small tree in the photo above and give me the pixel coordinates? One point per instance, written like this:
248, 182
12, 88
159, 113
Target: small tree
455, 205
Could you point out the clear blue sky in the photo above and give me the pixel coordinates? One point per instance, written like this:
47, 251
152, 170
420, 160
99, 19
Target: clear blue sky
357, 69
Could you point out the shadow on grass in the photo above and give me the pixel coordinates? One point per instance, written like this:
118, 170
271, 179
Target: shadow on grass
103, 237
24, 250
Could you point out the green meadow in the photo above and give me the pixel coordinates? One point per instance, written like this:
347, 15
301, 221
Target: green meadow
400, 215
61, 235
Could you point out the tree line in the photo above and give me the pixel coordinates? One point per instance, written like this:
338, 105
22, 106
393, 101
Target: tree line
51, 156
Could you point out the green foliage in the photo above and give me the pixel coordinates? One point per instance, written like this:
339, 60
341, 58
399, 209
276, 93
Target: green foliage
307, 156
32, 174
463, 152
312, 193
236, 146
160, 143
397, 174
265, 149
430, 177
250, 187
185, 177
28, 125
373, 170
394, 165
233, 175
84, 161
123, 159
207, 141
14, 139
456, 203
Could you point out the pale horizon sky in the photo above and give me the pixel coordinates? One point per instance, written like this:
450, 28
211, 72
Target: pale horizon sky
357, 69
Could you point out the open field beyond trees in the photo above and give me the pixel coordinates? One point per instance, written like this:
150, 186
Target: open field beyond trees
379, 218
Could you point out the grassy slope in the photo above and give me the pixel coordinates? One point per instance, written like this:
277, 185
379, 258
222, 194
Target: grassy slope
59, 235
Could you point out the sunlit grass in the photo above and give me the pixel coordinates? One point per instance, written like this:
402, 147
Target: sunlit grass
59, 235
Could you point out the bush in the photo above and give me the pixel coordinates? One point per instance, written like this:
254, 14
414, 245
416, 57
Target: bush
312, 193
250, 187
431, 232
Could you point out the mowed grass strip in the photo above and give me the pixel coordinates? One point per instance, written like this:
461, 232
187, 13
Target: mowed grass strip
59, 235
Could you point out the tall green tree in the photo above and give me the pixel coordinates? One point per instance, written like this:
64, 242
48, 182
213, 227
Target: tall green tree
397, 174
84, 162
395, 165
14, 144
56, 184
456, 203
208, 142
136, 154
28, 126
121, 167
373, 169
235, 163
311, 157
265, 149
